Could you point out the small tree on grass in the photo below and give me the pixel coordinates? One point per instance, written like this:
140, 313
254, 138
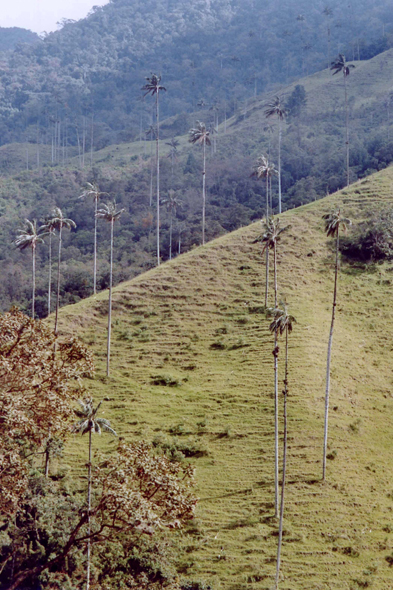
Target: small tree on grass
334, 222
282, 322
110, 214
89, 423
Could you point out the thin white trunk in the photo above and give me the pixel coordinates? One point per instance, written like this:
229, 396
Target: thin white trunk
110, 304
170, 238
203, 191
88, 516
95, 246
329, 356
158, 178
279, 163
33, 301
284, 463
275, 354
346, 126
50, 272
58, 279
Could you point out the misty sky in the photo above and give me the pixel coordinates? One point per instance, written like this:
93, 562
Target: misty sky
42, 15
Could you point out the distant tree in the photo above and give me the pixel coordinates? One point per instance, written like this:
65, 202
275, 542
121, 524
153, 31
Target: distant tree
92, 190
58, 221
153, 87
89, 423
173, 152
296, 101
275, 108
172, 203
110, 214
334, 222
272, 233
263, 168
282, 322
201, 135
340, 65
29, 238
328, 12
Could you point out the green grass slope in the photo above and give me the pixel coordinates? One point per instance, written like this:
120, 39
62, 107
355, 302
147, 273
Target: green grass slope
192, 368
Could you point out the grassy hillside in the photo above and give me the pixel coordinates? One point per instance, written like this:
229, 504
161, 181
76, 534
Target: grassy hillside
192, 368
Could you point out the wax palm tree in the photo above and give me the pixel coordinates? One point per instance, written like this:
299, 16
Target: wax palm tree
50, 230
89, 423
340, 65
201, 135
272, 233
263, 168
29, 238
109, 213
92, 190
275, 108
328, 12
172, 203
153, 87
334, 222
282, 322
58, 221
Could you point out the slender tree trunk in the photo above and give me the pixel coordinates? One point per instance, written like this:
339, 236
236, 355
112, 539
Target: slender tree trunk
33, 300
203, 191
328, 31
329, 355
58, 279
346, 126
267, 276
88, 516
110, 304
275, 354
158, 178
284, 463
279, 163
95, 246
170, 237
267, 196
50, 272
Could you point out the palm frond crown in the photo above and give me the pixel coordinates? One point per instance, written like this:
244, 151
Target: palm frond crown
340, 65
276, 108
89, 422
334, 222
263, 168
30, 236
282, 319
58, 220
153, 85
109, 212
92, 190
199, 134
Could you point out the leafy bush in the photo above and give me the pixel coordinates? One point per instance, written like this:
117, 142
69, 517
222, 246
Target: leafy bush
372, 239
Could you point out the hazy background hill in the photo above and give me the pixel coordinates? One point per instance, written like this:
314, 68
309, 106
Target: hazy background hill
88, 75
10, 37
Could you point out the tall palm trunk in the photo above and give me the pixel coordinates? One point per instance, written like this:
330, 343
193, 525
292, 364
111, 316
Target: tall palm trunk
279, 163
267, 276
275, 354
284, 462
329, 355
50, 272
158, 179
95, 246
108, 354
88, 516
58, 279
33, 299
204, 191
170, 236
346, 126
151, 173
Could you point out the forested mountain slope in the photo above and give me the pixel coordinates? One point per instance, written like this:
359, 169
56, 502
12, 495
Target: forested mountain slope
192, 370
10, 37
313, 164
85, 79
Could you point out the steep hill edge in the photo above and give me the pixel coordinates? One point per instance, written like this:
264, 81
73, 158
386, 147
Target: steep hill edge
195, 322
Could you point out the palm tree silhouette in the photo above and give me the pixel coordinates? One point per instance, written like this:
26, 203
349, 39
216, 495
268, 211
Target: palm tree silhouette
92, 190
153, 87
58, 221
201, 135
271, 236
172, 203
173, 152
89, 423
48, 227
29, 238
264, 169
282, 322
340, 65
111, 214
275, 108
333, 223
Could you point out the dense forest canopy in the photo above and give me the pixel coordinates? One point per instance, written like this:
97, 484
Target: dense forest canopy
88, 74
